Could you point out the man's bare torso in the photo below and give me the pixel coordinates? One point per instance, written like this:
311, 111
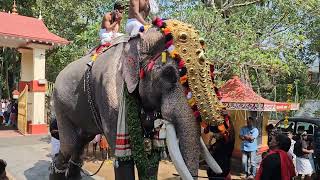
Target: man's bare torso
144, 9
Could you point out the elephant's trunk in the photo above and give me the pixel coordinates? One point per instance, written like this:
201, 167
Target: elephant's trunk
175, 108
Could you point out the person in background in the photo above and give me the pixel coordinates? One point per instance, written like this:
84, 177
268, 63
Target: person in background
277, 165
55, 140
290, 152
248, 135
110, 24
104, 147
303, 164
3, 173
13, 114
95, 143
2, 109
7, 113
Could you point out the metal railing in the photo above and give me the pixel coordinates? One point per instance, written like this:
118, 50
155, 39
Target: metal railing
50, 87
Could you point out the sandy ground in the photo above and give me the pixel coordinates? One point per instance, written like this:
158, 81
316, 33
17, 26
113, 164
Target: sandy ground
28, 158
166, 170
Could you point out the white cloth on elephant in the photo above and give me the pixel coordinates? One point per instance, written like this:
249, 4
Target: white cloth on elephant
106, 37
133, 27
55, 146
123, 148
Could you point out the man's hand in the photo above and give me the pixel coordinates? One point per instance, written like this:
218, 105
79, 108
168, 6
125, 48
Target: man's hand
118, 16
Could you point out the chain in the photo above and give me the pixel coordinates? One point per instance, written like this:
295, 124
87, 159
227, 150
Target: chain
79, 165
91, 99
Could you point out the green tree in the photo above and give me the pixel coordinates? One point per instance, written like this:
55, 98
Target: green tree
259, 40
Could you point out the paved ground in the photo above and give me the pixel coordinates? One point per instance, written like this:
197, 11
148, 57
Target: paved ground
28, 158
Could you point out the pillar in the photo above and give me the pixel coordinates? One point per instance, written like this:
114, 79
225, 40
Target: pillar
33, 75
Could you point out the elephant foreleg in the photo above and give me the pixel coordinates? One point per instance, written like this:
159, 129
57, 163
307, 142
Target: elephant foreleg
68, 138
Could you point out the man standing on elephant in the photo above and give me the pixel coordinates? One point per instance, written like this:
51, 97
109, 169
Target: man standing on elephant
138, 12
248, 135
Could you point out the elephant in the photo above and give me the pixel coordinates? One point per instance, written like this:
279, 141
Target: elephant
158, 91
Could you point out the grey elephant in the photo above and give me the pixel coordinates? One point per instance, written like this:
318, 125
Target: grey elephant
159, 91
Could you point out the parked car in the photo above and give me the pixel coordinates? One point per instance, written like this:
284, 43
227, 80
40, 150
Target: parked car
298, 125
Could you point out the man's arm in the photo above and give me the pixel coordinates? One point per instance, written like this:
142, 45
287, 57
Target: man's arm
135, 10
242, 136
107, 18
305, 148
255, 134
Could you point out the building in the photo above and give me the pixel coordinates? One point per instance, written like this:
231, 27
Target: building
32, 38
242, 102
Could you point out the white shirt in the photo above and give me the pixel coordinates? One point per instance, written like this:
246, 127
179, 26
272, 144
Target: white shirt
3, 107
290, 152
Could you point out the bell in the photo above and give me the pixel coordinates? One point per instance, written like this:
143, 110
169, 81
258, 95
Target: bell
147, 144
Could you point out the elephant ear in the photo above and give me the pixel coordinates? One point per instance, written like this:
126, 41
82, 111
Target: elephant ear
130, 66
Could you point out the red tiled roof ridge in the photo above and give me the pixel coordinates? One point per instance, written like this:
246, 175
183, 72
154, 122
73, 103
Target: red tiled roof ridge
236, 91
14, 25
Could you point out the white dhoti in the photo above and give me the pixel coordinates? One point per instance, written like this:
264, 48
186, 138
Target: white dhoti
106, 37
133, 27
55, 146
312, 163
304, 166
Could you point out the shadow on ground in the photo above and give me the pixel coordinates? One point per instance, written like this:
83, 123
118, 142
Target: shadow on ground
46, 139
40, 170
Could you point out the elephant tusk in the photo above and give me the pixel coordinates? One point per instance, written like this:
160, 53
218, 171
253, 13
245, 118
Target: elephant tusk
175, 154
212, 163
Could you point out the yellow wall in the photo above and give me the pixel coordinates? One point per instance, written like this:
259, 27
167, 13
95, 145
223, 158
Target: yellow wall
238, 117
26, 65
32, 64
36, 107
33, 68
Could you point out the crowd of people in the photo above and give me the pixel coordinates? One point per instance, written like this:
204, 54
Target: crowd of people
8, 113
285, 159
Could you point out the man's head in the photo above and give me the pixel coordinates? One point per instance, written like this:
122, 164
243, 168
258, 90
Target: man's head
119, 6
269, 128
290, 134
304, 135
250, 122
3, 175
280, 141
